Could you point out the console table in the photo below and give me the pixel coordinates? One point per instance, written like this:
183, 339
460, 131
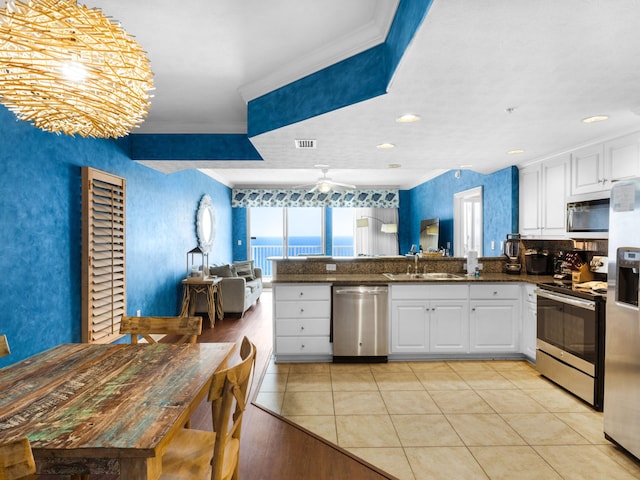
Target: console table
207, 286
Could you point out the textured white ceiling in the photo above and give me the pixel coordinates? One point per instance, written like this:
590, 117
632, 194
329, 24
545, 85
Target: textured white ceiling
554, 62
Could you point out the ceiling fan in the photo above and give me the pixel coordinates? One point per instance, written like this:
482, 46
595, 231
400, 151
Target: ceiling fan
324, 184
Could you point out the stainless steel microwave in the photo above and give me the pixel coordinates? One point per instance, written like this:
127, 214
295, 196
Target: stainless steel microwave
588, 216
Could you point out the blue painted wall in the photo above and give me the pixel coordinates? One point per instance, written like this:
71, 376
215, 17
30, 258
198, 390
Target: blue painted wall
435, 199
240, 233
40, 207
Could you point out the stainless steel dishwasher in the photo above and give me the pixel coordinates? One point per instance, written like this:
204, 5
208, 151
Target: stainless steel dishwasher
360, 325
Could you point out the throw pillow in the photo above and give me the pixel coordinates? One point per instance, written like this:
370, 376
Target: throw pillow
222, 271
245, 269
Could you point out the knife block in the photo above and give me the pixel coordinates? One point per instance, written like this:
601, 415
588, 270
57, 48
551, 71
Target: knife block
582, 275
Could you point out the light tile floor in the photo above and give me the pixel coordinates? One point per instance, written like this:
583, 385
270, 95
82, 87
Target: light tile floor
448, 420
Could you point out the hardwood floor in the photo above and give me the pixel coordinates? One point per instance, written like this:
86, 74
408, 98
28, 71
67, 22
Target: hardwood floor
273, 448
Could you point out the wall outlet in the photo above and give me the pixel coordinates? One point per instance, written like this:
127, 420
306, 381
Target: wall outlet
239, 242
493, 244
138, 313
331, 267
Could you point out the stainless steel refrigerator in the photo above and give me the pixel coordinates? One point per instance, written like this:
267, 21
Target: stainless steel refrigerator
622, 347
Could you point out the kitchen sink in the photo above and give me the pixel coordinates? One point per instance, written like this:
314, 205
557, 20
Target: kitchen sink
423, 276
442, 276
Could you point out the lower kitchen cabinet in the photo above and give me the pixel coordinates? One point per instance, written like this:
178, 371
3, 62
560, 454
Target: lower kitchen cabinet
529, 322
409, 327
302, 322
494, 326
494, 319
449, 327
421, 325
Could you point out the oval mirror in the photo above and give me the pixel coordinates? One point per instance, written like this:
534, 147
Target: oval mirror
205, 223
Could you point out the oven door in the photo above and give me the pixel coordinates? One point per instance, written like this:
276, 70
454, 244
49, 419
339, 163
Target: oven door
567, 329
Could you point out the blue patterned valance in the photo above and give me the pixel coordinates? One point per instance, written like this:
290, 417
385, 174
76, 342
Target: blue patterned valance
280, 197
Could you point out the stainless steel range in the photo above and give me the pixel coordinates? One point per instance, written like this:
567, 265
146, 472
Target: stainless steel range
570, 340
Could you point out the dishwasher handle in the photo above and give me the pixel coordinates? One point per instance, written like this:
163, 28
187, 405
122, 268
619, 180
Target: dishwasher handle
362, 290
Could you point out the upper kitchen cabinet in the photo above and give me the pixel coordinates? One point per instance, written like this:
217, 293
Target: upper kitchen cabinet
595, 168
543, 188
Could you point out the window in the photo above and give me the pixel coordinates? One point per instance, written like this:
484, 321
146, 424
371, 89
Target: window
103, 255
343, 220
285, 232
467, 222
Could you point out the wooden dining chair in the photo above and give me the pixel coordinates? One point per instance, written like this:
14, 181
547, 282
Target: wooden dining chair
4, 346
188, 328
198, 454
16, 460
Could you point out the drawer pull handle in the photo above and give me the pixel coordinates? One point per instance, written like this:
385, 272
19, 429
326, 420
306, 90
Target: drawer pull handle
302, 310
302, 329
495, 293
301, 293
302, 346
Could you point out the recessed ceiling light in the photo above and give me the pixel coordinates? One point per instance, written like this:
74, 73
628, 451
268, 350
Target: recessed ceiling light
516, 151
385, 146
467, 165
595, 118
394, 165
408, 118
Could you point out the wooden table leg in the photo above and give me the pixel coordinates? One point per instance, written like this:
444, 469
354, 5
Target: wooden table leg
185, 301
141, 468
211, 310
219, 306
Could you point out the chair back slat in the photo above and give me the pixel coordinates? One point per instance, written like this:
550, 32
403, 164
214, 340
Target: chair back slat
188, 328
4, 346
228, 396
16, 460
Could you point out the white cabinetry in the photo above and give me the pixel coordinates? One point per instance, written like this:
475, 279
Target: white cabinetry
530, 215
494, 318
302, 321
587, 170
429, 318
543, 191
529, 321
595, 168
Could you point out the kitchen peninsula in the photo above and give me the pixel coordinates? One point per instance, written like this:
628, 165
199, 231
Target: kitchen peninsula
436, 311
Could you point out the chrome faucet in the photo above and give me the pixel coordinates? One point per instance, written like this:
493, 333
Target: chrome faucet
415, 257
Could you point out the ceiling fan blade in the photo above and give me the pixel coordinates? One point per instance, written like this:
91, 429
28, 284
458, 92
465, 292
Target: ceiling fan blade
344, 185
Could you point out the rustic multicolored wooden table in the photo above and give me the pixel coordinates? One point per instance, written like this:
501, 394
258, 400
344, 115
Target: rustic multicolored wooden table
108, 409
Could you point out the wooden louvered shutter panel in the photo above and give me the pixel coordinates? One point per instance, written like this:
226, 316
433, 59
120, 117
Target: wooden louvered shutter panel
103, 255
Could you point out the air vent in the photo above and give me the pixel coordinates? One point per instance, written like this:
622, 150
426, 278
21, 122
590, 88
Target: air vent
305, 144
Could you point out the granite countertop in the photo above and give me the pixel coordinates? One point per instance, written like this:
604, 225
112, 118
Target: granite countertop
380, 279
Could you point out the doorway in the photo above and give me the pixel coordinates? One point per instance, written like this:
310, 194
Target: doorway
467, 222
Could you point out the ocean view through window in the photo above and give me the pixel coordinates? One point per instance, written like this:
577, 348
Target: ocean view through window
293, 232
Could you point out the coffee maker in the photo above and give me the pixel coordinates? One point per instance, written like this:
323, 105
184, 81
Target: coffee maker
512, 252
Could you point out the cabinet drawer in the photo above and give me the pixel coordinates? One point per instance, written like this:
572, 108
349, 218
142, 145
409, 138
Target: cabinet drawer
429, 291
491, 291
303, 309
302, 292
303, 345
297, 327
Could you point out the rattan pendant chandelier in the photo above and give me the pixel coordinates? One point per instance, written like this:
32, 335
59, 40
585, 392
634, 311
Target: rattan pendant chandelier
68, 69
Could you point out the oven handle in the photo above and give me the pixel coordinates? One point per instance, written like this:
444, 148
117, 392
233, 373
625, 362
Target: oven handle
576, 302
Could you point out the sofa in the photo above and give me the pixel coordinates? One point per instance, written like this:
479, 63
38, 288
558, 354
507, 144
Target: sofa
240, 287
